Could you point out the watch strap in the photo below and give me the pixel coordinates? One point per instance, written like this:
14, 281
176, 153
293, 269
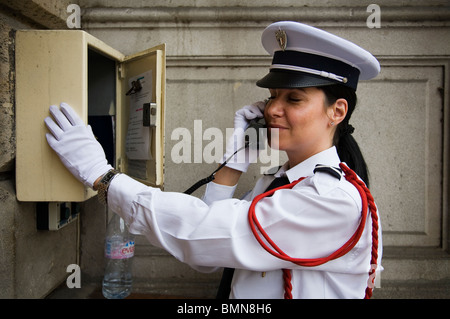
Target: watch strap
103, 185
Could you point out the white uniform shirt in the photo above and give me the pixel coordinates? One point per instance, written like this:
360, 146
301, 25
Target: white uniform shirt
311, 220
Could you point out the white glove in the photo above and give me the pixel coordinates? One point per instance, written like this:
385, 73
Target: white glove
76, 145
242, 159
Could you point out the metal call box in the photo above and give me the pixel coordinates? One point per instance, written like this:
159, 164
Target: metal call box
121, 97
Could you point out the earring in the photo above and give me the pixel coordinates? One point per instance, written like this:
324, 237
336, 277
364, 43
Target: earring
332, 123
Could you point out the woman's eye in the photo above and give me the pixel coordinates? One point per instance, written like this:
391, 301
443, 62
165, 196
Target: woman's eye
269, 99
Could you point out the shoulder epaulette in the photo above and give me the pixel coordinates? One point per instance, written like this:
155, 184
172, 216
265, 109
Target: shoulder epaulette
333, 171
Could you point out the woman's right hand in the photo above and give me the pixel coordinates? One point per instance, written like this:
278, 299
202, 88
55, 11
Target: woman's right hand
242, 159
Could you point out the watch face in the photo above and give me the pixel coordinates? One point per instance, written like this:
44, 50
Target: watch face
108, 176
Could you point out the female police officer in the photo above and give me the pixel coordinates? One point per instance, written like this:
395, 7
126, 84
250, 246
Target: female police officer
316, 237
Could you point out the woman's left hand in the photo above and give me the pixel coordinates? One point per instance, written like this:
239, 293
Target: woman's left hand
76, 145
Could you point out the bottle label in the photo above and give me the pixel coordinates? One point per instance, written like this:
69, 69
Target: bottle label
119, 250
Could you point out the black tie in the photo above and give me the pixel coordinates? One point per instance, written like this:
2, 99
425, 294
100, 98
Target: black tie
227, 276
277, 182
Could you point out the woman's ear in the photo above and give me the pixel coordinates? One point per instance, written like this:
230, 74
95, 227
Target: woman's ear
338, 111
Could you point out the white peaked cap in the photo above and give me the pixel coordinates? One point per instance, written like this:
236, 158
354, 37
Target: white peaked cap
306, 56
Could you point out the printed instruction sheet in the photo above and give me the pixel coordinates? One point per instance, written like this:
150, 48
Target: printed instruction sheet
139, 136
138, 140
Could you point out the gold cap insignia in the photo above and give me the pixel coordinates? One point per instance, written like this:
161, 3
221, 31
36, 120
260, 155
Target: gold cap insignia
281, 38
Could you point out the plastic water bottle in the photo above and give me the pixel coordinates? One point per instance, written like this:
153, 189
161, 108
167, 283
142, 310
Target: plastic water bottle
119, 252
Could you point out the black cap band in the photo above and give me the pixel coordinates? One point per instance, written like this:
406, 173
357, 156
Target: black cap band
313, 68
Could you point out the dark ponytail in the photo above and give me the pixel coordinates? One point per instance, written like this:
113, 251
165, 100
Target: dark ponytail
347, 147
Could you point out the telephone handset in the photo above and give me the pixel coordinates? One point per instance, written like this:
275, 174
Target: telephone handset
258, 125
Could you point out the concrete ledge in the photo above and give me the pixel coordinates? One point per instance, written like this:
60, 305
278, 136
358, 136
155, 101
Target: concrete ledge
413, 289
415, 263
150, 289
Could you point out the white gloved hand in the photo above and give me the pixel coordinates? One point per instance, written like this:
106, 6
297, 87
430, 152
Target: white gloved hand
76, 145
242, 159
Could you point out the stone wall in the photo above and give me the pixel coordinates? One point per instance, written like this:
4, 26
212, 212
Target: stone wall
32, 262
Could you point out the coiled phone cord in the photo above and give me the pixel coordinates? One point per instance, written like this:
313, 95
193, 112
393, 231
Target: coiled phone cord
210, 178
256, 124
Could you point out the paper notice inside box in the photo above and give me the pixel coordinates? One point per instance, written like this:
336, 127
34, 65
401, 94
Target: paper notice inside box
139, 136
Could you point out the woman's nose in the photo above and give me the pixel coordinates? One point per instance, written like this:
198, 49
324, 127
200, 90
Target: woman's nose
274, 108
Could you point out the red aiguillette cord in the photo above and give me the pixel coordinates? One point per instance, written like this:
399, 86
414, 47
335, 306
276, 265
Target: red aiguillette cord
367, 200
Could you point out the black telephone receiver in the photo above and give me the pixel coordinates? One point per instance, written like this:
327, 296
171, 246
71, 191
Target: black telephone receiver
257, 124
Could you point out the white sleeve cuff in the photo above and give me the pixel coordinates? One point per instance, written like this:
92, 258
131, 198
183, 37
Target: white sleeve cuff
215, 192
121, 194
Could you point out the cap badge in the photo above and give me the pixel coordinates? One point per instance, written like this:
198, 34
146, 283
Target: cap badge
281, 38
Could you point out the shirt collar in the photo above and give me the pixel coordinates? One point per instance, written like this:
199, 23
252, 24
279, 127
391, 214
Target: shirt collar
306, 168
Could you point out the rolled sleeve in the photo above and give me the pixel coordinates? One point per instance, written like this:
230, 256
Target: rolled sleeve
215, 192
121, 194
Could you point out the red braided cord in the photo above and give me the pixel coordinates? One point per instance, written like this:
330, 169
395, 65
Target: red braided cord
353, 178
287, 276
373, 212
367, 201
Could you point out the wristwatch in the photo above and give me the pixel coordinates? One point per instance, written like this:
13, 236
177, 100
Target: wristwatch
103, 185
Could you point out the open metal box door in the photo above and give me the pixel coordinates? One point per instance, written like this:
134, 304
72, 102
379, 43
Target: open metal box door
51, 67
72, 66
140, 133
